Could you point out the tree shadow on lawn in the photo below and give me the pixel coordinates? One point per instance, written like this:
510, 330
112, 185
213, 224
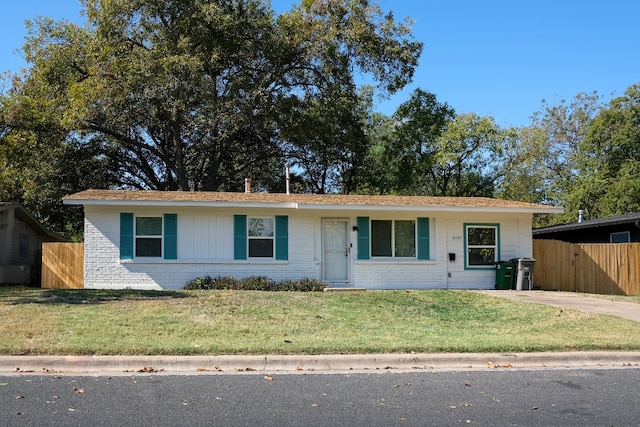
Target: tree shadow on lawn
23, 295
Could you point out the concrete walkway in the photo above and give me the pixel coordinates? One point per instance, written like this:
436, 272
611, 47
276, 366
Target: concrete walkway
581, 302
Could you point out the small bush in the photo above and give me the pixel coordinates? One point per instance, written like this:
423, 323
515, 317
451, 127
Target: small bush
255, 283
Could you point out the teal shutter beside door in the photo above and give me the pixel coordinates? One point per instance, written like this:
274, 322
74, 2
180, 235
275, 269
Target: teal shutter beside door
170, 236
239, 237
363, 237
282, 237
126, 236
423, 238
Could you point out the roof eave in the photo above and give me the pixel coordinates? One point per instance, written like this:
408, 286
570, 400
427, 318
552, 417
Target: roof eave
311, 206
161, 203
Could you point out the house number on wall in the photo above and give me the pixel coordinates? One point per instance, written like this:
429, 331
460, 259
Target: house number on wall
456, 237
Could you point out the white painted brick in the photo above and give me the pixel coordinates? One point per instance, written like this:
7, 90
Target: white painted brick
103, 268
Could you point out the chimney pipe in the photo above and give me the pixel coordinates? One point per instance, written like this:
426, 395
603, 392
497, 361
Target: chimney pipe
580, 216
247, 185
288, 179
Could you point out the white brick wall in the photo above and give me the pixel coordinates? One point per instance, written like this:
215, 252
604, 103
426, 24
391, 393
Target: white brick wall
205, 247
104, 269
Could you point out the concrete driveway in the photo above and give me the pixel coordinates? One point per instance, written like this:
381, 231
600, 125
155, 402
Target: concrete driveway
581, 302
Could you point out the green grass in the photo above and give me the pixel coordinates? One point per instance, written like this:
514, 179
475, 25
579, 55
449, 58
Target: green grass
36, 321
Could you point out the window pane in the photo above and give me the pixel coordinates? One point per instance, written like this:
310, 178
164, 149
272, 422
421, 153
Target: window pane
261, 227
405, 235
380, 238
24, 246
260, 248
623, 237
148, 247
482, 256
480, 236
148, 226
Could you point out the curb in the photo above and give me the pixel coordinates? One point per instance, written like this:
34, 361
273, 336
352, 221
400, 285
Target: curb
232, 364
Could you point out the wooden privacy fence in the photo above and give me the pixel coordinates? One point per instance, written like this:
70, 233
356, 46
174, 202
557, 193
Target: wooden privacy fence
62, 265
599, 268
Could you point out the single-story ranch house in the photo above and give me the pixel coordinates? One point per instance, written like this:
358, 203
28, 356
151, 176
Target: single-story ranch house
160, 240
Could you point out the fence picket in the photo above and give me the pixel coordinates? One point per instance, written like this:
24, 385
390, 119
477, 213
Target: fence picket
62, 265
599, 268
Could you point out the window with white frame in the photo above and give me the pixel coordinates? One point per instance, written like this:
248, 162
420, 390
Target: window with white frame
393, 238
620, 237
482, 245
148, 238
261, 237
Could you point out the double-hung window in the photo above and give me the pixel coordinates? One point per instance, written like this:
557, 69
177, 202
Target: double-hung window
393, 238
482, 245
148, 236
261, 237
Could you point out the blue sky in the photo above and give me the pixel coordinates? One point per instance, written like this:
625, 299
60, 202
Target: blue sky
491, 57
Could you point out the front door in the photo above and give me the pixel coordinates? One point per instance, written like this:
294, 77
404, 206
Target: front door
335, 250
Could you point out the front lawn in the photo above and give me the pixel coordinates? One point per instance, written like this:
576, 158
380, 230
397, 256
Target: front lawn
36, 321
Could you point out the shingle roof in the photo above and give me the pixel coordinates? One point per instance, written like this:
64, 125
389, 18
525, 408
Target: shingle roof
299, 201
591, 223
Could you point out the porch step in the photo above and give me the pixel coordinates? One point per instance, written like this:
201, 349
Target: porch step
343, 289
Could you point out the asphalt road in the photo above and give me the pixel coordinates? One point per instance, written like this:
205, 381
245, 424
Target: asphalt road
558, 397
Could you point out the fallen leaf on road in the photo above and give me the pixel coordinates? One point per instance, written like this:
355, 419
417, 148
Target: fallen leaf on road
149, 369
78, 390
268, 377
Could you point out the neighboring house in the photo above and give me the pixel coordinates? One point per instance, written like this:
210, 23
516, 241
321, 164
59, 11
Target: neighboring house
21, 237
614, 229
160, 240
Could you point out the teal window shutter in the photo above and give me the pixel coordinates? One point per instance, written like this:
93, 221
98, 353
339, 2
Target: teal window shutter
126, 236
170, 236
239, 237
363, 237
423, 238
282, 237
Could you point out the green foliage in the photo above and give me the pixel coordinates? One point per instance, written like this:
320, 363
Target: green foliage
198, 95
194, 95
425, 148
255, 283
610, 160
542, 160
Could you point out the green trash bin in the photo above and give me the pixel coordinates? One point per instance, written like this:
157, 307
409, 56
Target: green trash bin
505, 274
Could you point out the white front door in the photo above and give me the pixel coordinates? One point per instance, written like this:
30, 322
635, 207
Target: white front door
335, 250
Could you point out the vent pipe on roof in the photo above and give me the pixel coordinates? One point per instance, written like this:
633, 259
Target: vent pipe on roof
247, 185
580, 216
288, 179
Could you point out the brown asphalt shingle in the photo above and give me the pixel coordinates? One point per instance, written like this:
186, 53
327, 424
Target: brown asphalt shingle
302, 199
